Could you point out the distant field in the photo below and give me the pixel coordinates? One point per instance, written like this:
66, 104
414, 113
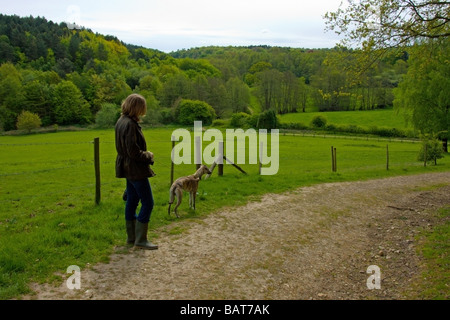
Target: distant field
48, 220
380, 118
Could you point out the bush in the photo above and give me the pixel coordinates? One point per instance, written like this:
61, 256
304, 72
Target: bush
319, 122
252, 121
221, 123
268, 120
28, 121
239, 120
293, 126
167, 116
107, 116
331, 127
189, 111
433, 150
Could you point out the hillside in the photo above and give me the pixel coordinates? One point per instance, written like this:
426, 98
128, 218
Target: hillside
67, 76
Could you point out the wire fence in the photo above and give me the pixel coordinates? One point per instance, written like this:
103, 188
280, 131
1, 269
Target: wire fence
81, 166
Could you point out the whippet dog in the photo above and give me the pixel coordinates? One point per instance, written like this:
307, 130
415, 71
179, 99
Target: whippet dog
190, 184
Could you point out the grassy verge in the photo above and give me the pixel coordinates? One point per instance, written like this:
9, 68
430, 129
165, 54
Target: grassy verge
379, 117
48, 220
434, 248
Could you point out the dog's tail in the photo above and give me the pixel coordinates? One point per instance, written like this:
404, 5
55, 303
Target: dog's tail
172, 194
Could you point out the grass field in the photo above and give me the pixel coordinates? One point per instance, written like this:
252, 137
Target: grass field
366, 119
48, 219
435, 249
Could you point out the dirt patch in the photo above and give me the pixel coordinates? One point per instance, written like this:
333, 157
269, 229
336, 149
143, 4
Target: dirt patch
312, 243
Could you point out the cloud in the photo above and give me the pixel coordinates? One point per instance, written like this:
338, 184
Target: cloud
172, 24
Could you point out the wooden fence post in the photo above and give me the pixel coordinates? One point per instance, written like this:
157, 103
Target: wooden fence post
261, 145
97, 170
387, 157
335, 160
332, 159
220, 158
171, 160
198, 152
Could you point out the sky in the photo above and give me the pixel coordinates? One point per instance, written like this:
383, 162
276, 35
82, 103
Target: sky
171, 25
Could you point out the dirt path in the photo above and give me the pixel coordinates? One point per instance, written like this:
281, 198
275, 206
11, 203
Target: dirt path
312, 243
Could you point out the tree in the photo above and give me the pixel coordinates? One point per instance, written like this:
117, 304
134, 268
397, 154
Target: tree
176, 86
69, 105
424, 93
217, 97
268, 120
38, 99
380, 24
238, 95
430, 149
11, 95
269, 87
107, 116
6, 50
189, 111
28, 121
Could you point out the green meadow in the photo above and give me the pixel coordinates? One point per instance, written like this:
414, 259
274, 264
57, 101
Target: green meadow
48, 216
366, 119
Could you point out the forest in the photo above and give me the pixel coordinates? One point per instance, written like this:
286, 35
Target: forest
74, 76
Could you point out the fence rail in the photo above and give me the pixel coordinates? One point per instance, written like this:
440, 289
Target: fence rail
96, 163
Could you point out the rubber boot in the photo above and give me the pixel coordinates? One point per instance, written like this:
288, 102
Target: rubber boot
131, 231
141, 237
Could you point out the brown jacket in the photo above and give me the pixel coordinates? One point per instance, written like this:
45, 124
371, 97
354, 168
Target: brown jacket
133, 160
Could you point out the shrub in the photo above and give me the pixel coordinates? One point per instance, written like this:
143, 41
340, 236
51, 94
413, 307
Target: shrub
352, 128
252, 121
239, 120
293, 126
268, 120
331, 127
28, 121
189, 111
319, 121
107, 116
167, 116
221, 123
433, 150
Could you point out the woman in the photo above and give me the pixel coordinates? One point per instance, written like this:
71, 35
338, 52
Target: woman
133, 163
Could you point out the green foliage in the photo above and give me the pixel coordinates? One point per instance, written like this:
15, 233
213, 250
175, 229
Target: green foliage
11, 94
268, 120
424, 94
199, 66
107, 116
319, 121
431, 149
189, 111
28, 121
229, 79
239, 120
379, 24
167, 115
69, 105
220, 123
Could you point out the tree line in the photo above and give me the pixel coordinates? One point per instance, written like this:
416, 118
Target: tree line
67, 76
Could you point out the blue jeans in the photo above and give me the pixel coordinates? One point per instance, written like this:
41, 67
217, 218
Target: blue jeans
139, 190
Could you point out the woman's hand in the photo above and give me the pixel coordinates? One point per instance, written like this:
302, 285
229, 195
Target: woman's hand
151, 157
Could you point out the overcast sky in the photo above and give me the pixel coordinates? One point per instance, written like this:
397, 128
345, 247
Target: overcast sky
169, 25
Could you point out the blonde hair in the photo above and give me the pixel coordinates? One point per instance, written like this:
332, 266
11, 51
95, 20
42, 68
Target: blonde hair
134, 106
